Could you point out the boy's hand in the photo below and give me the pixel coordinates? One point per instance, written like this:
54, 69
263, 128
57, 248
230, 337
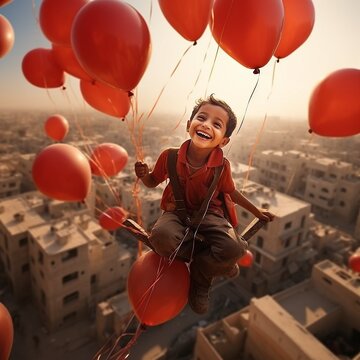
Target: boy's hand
141, 169
266, 215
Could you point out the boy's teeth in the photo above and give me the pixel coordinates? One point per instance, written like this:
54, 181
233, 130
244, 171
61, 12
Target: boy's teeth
203, 134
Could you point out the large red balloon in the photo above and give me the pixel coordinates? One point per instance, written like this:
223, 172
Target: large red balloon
62, 172
108, 159
334, 108
354, 262
248, 30
105, 98
298, 24
41, 69
246, 260
112, 42
56, 18
157, 291
66, 59
6, 333
56, 127
112, 218
6, 36
4, 2
188, 17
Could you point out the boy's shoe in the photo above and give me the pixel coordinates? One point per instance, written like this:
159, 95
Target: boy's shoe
198, 298
234, 272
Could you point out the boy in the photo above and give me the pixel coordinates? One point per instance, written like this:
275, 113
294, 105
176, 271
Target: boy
210, 126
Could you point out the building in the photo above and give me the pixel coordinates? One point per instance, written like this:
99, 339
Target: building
25, 162
10, 181
316, 319
281, 249
58, 255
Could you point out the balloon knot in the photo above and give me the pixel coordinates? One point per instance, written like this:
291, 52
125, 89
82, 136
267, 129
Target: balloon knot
63, 88
195, 43
277, 60
123, 119
130, 93
310, 131
256, 71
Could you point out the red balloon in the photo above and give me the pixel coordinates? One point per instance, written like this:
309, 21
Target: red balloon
6, 36
112, 218
105, 98
56, 18
246, 260
6, 333
56, 127
248, 30
188, 17
66, 59
157, 291
62, 172
108, 159
41, 69
112, 42
4, 2
298, 24
354, 262
334, 108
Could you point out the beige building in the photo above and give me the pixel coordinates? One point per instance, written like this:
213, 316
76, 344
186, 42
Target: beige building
10, 178
318, 319
56, 253
25, 162
333, 188
281, 250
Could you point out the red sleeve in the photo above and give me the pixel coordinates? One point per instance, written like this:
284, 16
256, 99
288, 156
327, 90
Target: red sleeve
160, 169
226, 183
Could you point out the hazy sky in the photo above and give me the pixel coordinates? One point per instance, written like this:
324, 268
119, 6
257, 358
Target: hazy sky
332, 45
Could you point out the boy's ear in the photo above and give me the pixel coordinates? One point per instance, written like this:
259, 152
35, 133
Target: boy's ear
188, 125
224, 141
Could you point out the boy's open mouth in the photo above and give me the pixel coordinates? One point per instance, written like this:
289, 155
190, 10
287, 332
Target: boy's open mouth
203, 135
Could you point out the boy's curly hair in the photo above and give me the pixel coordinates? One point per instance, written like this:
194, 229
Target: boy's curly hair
231, 125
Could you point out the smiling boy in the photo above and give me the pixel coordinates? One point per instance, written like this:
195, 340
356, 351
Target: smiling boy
210, 126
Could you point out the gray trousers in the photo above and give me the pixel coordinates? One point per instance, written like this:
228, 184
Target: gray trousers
215, 256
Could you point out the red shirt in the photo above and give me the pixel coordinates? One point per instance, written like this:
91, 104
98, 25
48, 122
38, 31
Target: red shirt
196, 185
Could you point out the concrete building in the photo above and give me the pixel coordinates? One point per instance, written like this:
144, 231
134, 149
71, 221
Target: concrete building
316, 319
333, 188
25, 162
281, 249
56, 253
10, 181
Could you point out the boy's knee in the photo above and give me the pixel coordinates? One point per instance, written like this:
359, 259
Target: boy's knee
161, 242
235, 249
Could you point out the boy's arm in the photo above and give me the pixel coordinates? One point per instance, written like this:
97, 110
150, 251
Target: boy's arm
241, 200
143, 173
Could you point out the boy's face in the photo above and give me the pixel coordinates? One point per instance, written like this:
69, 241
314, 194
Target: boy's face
208, 127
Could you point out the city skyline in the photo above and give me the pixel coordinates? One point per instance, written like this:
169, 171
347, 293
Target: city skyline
328, 48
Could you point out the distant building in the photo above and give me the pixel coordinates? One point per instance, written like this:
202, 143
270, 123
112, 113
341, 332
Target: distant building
281, 249
25, 163
57, 254
316, 319
10, 181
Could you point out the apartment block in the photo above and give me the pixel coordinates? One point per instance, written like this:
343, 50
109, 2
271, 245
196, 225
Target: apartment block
281, 249
10, 181
316, 319
24, 167
333, 188
56, 253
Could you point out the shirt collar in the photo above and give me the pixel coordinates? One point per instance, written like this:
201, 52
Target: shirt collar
215, 159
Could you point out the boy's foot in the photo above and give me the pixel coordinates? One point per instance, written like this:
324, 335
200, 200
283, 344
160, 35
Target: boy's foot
234, 272
198, 298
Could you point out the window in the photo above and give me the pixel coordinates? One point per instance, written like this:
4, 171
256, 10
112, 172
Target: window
69, 277
342, 203
69, 254
284, 261
71, 297
288, 225
302, 221
287, 242
257, 257
311, 195
343, 190
23, 242
40, 257
325, 190
259, 241
43, 298
70, 316
25, 268
299, 239
93, 279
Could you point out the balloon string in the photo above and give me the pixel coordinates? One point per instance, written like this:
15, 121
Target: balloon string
165, 85
218, 46
248, 103
257, 140
194, 86
151, 11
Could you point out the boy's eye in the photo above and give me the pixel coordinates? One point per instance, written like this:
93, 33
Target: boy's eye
201, 117
218, 125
